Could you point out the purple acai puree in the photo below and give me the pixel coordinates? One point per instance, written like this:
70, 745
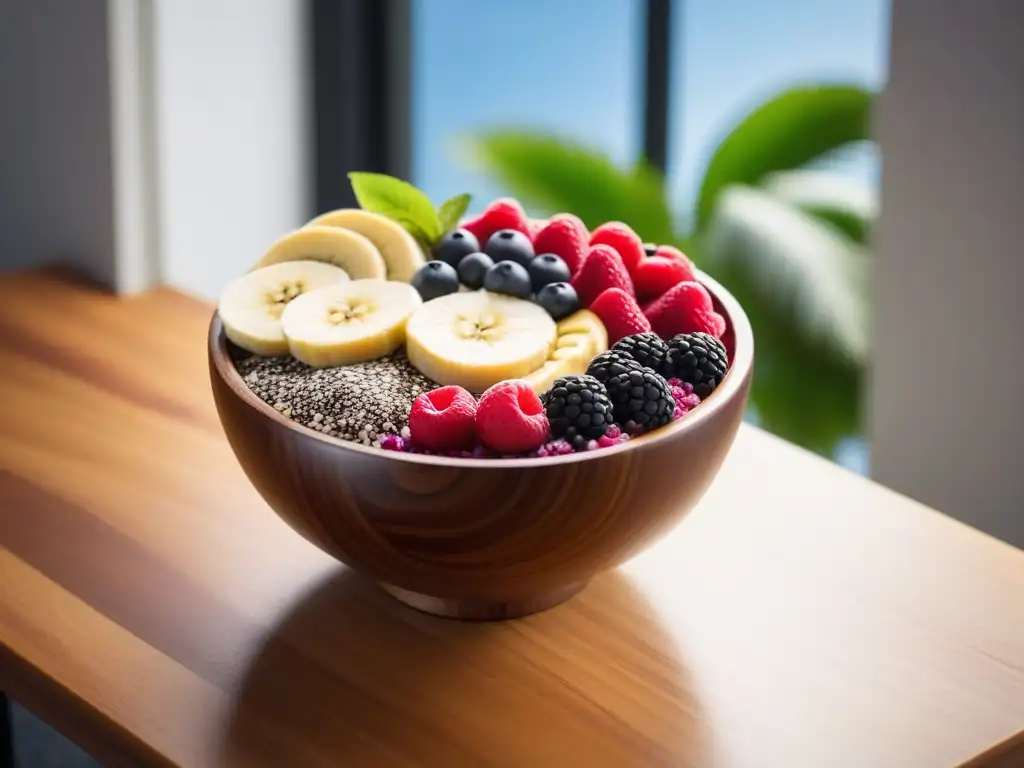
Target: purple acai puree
683, 394
392, 442
554, 448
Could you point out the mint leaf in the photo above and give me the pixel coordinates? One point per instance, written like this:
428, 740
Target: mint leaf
398, 200
453, 210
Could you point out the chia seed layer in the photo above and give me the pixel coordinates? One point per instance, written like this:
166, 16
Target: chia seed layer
359, 403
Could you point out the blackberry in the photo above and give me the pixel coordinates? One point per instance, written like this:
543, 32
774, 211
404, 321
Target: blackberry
611, 363
646, 348
578, 409
698, 359
641, 400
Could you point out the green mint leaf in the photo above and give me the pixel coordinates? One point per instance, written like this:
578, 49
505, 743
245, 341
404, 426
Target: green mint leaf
453, 210
398, 200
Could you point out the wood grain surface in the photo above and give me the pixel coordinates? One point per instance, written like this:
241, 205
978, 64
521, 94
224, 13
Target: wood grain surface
154, 609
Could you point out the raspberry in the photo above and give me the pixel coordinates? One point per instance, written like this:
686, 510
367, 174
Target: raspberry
687, 308
668, 252
623, 239
443, 419
566, 237
504, 213
620, 314
602, 269
511, 419
656, 275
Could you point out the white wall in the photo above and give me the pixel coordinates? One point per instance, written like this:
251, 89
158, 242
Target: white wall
947, 397
232, 134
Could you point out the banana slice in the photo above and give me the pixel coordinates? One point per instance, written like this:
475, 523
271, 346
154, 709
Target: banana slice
477, 339
581, 337
349, 322
402, 254
340, 247
251, 307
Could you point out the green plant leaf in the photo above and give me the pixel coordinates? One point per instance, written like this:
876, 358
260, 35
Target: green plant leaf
453, 210
847, 204
398, 200
556, 175
786, 132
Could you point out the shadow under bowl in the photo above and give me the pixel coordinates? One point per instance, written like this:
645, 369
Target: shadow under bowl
482, 538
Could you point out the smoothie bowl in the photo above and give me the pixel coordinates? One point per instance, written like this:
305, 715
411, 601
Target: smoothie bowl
478, 417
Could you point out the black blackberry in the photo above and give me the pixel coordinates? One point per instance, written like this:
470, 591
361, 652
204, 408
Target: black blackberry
646, 348
641, 400
611, 363
578, 409
697, 358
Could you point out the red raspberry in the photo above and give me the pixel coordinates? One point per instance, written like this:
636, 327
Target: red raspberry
620, 314
443, 419
503, 213
564, 236
510, 418
602, 269
687, 308
674, 253
623, 239
657, 274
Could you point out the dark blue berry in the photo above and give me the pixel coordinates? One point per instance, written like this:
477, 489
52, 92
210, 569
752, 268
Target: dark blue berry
455, 245
434, 279
558, 300
546, 269
472, 269
509, 245
509, 278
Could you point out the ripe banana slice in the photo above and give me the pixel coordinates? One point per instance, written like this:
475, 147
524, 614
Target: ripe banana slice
340, 247
581, 337
402, 254
477, 339
349, 322
251, 307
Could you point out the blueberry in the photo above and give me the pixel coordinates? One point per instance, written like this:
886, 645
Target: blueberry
509, 278
548, 268
509, 245
455, 245
472, 269
558, 299
434, 279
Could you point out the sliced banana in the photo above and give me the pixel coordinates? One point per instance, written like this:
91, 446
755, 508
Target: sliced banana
402, 254
340, 247
349, 322
581, 337
477, 339
251, 307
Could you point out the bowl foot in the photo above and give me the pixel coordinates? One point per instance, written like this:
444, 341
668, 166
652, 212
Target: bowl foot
482, 610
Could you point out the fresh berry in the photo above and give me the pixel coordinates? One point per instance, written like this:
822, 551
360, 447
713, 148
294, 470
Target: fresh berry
443, 419
641, 400
623, 239
566, 237
656, 275
510, 245
697, 359
646, 348
685, 309
509, 278
510, 418
504, 213
602, 269
558, 299
611, 363
578, 408
620, 314
668, 252
472, 269
546, 269
435, 279
455, 245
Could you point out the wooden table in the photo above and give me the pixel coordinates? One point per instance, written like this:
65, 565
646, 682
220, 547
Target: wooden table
154, 609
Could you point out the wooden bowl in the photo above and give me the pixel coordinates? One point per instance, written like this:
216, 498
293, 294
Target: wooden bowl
482, 538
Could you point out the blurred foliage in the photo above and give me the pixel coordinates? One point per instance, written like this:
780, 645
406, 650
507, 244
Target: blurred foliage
787, 240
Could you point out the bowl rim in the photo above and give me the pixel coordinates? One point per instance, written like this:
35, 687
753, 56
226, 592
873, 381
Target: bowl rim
739, 372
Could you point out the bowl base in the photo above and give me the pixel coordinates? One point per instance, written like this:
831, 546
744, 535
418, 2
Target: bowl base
482, 610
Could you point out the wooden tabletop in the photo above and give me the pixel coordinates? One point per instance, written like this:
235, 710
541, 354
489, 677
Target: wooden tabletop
156, 611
